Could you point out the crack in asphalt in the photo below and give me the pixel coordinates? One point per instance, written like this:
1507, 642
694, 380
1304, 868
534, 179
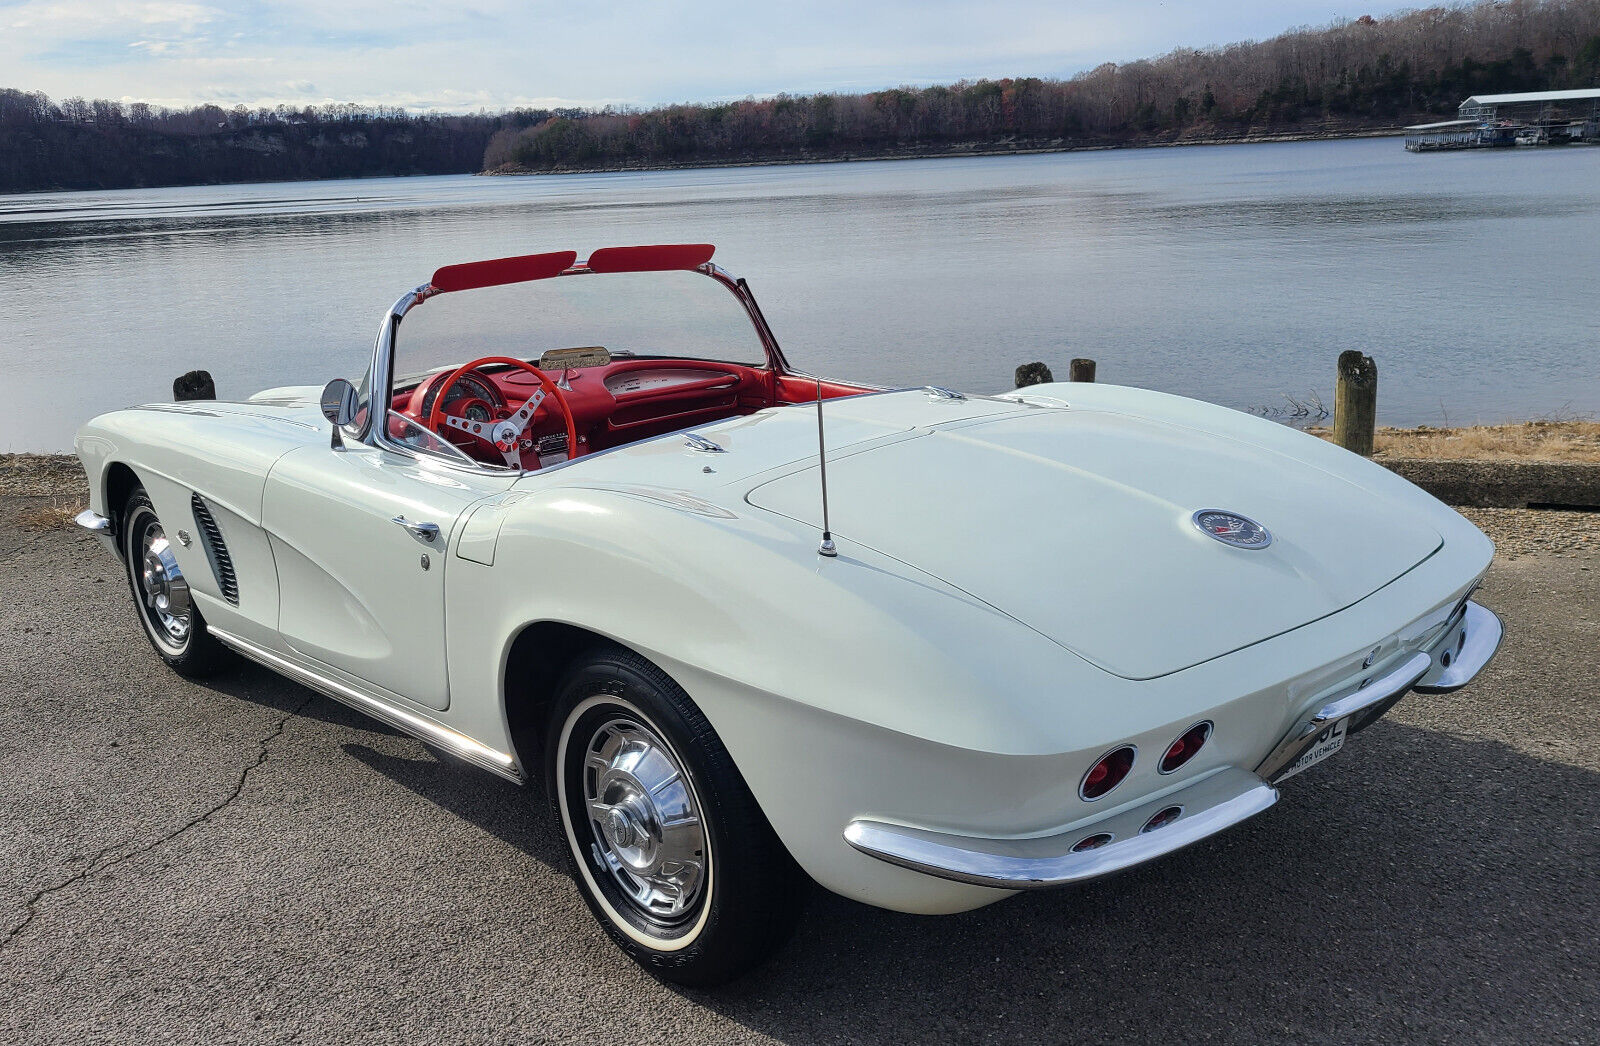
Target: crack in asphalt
95, 865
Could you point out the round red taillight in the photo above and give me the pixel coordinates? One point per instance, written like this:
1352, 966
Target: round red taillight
1184, 748
1107, 773
1163, 818
1091, 842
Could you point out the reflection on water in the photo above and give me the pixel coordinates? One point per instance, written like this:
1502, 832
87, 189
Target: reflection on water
1235, 274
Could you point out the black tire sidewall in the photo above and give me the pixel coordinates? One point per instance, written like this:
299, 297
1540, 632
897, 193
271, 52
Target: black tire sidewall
753, 892
140, 509
201, 653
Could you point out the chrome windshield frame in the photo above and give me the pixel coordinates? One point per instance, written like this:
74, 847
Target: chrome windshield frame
380, 372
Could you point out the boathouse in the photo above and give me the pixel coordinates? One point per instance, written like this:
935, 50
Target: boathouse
1487, 121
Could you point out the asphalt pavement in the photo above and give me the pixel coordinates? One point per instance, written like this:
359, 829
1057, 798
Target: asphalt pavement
245, 861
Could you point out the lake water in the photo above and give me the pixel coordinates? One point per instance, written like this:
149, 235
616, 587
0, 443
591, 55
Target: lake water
1235, 273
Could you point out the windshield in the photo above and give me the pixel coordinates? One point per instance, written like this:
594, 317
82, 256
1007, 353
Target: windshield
678, 313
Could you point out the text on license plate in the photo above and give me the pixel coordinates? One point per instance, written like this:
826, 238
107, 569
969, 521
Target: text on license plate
1329, 741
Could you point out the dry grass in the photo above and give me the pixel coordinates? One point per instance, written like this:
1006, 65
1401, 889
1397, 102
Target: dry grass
57, 515
1527, 441
45, 475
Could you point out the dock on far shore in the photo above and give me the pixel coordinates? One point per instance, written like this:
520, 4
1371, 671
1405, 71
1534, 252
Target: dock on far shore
1497, 121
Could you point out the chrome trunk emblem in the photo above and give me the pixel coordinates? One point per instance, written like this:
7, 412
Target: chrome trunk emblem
1230, 528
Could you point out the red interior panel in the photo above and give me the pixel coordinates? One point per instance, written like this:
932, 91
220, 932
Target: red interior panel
793, 388
634, 399
497, 271
651, 258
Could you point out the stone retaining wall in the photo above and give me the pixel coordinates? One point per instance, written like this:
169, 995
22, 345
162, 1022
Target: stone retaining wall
1504, 484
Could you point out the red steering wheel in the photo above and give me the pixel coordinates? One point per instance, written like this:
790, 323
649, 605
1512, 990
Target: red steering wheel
504, 434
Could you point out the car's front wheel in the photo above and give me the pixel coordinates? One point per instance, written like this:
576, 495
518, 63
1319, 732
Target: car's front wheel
162, 596
669, 848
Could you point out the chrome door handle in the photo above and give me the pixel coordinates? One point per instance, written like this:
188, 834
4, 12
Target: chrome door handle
425, 531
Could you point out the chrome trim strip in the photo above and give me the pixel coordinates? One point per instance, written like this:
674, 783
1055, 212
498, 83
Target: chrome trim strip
1392, 683
452, 741
1483, 632
1211, 804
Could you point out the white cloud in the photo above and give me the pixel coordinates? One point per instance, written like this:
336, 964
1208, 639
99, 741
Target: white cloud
497, 53
67, 18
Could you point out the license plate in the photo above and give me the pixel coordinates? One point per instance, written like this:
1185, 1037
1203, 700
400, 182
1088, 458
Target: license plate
1328, 742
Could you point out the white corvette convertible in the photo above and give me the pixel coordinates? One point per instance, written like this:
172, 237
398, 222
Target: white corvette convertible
576, 525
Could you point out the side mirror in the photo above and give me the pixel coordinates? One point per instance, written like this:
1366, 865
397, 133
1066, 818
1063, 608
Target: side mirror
339, 407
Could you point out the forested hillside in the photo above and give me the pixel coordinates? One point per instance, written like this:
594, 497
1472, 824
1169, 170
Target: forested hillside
1353, 75
78, 144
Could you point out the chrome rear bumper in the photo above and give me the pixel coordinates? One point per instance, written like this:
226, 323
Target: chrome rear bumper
1206, 806
1365, 697
1469, 643
1219, 800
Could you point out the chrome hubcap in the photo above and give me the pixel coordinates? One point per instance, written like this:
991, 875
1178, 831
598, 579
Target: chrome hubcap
162, 585
644, 821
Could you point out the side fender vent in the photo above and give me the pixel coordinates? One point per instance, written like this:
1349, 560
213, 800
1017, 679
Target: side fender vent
216, 550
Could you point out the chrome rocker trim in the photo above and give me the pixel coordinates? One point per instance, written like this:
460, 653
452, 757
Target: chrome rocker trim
1210, 804
452, 741
1468, 649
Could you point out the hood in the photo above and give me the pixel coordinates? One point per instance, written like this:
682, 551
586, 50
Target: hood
1078, 523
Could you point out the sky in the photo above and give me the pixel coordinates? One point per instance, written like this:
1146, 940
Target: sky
497, 54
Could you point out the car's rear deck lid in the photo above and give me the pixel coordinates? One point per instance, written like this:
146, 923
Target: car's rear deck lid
1080, 525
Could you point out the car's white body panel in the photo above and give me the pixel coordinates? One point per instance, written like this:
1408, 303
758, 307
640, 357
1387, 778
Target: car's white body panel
1109, 494
1018, 588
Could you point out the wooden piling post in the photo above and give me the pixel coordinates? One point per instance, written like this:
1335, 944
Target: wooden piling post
195, 385
1033, 374
1082, 370
1355, 402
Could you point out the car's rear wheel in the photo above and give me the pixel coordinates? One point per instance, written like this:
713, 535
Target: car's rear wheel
162, 596
669, 848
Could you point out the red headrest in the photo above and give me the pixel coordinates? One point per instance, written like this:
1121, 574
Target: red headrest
651, 259
493, 273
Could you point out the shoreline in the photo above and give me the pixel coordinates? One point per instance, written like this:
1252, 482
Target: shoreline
1027, 147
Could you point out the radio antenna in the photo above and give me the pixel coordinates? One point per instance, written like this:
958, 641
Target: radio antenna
826, 548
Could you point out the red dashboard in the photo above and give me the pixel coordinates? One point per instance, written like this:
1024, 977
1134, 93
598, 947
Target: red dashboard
624, 401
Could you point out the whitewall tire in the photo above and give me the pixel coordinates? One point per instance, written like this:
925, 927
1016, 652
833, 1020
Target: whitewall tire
668, 847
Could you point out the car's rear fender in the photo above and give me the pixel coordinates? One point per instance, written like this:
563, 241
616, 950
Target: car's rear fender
855, 688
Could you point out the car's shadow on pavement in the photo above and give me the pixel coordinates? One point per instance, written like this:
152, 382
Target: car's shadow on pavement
514, 815
1414, 889
262, 686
